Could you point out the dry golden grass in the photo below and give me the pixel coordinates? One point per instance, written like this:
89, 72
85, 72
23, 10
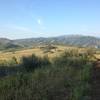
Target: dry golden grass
37, 51
5, 56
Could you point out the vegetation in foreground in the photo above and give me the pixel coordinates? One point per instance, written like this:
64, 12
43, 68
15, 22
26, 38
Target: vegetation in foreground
66, 78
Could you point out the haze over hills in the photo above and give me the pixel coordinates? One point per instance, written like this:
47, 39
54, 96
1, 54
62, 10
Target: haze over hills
8, 44
74, 40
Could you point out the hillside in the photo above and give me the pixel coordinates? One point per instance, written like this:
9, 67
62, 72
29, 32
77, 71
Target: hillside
74, 40
38, 78
6, 44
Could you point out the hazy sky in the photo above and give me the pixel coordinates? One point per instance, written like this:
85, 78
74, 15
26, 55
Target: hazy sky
33, 18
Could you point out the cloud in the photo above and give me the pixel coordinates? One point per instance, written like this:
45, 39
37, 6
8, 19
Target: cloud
39, 21
12, 28
22, 28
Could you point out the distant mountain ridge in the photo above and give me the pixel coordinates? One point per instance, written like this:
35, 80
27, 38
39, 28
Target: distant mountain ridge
74, 40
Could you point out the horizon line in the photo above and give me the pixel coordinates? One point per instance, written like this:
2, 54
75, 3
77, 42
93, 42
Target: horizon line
50, 36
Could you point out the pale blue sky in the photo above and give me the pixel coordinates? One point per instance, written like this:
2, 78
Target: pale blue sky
43, 18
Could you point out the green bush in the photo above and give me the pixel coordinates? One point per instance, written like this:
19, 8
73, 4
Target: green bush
71, 58
32, 62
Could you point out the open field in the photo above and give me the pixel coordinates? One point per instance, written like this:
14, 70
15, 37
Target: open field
35, 78
68, 74
50, 51
39, 51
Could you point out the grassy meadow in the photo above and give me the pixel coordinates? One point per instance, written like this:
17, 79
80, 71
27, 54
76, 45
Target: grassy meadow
40, 51
46, 73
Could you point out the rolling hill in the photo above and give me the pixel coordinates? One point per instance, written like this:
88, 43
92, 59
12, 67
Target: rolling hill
6, 44
74, 40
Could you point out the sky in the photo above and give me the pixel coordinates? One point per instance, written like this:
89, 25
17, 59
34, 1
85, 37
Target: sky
47, 18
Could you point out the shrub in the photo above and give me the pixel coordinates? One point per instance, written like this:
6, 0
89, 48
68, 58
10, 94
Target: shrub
71, 58
32, 62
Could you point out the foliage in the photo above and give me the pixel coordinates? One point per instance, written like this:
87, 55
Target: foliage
66, 78
72, 58
32, 62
